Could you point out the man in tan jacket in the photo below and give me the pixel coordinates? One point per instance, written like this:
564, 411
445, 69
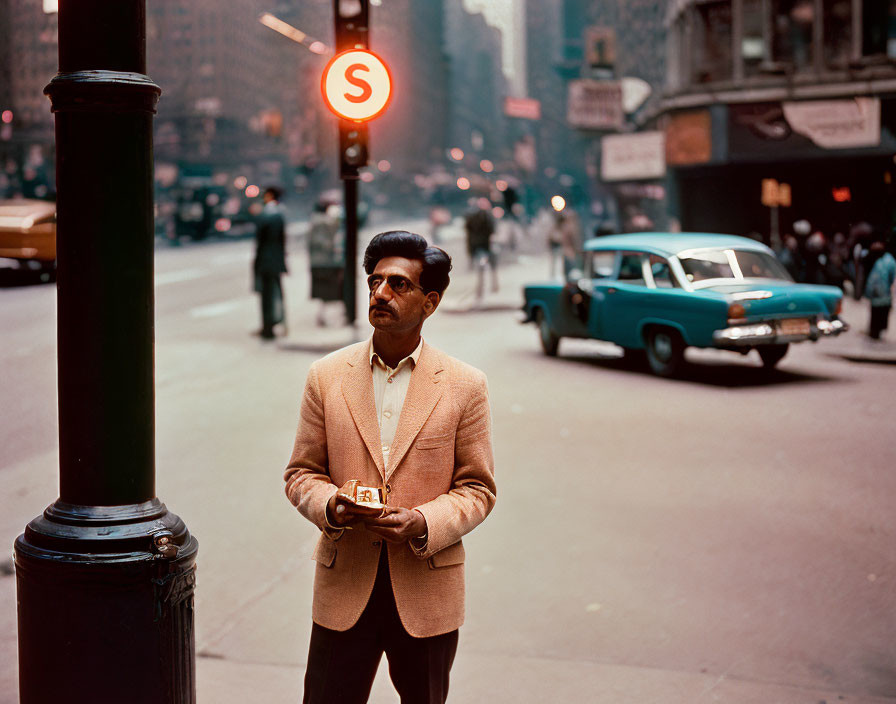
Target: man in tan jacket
393, 462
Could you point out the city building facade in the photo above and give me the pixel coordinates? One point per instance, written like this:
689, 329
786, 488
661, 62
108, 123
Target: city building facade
230, 89
477, 85
781, 110
28, 61
410, 136
596, 68
241, 104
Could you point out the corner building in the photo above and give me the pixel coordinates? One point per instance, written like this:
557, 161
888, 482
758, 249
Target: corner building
802, 92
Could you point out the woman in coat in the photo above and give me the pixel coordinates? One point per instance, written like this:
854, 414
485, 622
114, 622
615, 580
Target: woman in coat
879, 288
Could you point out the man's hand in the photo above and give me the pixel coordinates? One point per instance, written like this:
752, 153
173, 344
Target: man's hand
342, 511
398, 525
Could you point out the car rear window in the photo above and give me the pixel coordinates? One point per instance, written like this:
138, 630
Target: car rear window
760, 265
737, 264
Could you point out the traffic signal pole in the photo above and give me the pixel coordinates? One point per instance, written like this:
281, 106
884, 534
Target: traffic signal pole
105, 576
351, 32
351, 248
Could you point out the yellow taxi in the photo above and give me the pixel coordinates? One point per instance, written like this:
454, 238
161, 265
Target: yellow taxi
28, 234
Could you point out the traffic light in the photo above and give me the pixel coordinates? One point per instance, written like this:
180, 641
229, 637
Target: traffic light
352, 148
352, 32
352, 27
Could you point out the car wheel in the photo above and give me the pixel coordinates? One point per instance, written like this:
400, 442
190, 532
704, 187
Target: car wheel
549, 339
665, 351
48, 272
772, 354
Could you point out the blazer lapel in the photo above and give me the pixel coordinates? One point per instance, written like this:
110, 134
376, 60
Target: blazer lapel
357, 389
424, 393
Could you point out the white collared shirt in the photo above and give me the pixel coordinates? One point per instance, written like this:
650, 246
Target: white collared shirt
390, 388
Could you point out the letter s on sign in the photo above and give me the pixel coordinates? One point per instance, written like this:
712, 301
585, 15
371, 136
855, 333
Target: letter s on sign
366, 90
356, 85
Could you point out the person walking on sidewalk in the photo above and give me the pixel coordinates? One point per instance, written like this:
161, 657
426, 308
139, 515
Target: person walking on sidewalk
326, 259
393, 419
879, 287
270, 262
566, 241
480, 227
572, 241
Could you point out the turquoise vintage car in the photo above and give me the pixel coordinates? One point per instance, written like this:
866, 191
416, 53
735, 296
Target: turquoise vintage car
655, 294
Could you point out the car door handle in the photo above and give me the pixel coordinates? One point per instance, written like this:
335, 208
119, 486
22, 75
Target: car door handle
611, 290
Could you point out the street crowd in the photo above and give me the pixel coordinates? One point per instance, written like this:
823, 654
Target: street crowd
859, 261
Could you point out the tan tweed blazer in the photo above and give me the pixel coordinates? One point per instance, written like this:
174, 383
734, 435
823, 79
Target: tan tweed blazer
440, 462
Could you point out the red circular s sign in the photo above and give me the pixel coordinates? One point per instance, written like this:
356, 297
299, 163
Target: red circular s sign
356, 85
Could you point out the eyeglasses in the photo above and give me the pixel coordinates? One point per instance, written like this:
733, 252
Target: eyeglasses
398, 284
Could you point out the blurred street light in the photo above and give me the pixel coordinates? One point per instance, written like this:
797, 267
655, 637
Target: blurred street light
350, 8
558, 203
287, 30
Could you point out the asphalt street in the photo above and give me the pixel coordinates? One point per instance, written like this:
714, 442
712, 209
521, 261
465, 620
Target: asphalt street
724, 537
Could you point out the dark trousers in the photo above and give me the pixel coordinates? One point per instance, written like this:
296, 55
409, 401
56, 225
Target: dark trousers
879, 317
271, 302
342, 664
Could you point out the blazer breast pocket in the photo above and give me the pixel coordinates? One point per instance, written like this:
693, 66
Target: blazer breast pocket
431, 442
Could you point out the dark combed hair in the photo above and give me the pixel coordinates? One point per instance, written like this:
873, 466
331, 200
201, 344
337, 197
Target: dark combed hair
398, 243
276, 191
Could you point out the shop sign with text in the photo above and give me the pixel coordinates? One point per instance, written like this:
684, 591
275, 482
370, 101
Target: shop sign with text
836, 124
630, 157
594, 105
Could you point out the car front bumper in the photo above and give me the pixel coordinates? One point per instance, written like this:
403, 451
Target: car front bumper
773, 332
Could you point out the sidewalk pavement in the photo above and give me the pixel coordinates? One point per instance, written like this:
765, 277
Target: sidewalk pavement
855, 345
250, 674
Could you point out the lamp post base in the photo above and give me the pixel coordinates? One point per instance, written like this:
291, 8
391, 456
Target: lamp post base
105, 606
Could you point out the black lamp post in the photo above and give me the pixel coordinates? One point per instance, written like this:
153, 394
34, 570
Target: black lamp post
105, 576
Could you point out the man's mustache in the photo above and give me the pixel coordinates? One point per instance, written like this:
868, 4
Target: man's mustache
383, 307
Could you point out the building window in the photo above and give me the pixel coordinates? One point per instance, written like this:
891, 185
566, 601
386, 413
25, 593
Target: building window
753, 50
879, 23
837, 33
793, 22
712, 42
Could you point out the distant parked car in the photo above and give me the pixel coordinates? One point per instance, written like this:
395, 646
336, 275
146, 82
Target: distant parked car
658, 293
28, 234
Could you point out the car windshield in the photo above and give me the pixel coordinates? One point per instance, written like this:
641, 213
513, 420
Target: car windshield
707, 266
